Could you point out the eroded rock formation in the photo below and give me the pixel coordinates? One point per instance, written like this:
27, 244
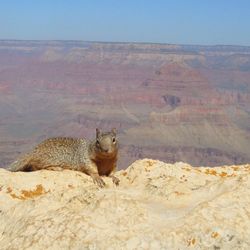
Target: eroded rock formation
156, 206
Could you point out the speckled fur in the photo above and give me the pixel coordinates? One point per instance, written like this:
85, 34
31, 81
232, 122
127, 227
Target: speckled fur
95, 158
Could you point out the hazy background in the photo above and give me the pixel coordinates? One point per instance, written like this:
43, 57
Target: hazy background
172, 76
159, 21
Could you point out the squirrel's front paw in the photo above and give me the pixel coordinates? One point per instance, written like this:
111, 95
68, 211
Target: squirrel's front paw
115, 180
99, 181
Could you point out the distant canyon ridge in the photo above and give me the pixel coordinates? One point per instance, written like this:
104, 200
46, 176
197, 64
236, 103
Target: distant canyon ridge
168, 102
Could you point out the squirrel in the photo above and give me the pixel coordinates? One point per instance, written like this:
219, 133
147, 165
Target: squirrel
95, 158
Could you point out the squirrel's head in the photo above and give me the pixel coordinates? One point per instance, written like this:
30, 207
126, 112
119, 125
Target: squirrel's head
106, 142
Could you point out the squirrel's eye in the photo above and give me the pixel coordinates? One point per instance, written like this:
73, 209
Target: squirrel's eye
113, 140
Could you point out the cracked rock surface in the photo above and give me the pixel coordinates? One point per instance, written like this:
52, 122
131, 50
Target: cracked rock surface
156, 206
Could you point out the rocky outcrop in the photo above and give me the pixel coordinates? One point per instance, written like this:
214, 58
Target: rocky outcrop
156, 206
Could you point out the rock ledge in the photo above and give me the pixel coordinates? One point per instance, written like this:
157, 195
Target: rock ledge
156, 206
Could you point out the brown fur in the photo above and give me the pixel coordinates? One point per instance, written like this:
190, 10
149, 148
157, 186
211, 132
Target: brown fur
95, 158
106, 166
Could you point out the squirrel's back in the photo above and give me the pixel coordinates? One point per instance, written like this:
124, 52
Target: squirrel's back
65, 152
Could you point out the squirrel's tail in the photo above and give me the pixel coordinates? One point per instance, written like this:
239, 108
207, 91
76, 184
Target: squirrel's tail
19, 165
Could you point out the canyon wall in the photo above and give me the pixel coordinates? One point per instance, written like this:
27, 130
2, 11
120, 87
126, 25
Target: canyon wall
168, 102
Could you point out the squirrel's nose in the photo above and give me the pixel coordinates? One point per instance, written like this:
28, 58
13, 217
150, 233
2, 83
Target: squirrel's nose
106, 150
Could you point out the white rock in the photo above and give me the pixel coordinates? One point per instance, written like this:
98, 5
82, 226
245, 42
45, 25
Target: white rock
156, 206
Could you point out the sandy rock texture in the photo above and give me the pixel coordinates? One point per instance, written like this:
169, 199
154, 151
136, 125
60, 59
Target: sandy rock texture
156, 206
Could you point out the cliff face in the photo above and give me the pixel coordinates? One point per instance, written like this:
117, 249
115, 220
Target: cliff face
194, 100
156, 206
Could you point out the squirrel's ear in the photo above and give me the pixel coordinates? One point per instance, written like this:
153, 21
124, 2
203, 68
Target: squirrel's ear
113, 130
98, 132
